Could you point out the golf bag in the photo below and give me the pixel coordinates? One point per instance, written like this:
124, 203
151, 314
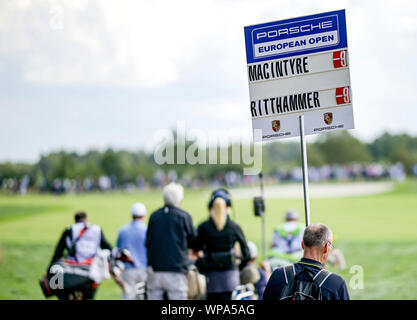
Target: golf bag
68, 282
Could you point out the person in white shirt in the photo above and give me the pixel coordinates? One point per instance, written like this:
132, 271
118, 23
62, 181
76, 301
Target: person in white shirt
287, 237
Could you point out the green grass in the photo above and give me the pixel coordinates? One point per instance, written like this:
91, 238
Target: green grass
376, 232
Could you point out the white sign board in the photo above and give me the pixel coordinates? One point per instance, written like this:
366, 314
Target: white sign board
299, 66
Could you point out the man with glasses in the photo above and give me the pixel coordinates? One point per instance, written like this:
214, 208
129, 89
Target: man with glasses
307, 279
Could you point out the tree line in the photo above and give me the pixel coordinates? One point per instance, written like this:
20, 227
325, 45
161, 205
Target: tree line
126, 166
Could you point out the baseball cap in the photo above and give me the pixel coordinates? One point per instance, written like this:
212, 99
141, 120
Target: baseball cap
291, 215
138, 210
220, 193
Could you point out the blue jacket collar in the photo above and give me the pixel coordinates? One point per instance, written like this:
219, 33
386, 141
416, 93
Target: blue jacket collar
311, 262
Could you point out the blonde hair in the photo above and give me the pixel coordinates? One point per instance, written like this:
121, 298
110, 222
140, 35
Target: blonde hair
219, 213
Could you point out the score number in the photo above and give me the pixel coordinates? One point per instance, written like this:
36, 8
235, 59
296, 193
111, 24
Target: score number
340, 59
343, 95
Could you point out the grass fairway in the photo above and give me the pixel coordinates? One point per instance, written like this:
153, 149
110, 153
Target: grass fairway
377, 232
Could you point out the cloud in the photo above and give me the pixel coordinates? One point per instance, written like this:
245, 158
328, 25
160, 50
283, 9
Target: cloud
138, 66
140, 44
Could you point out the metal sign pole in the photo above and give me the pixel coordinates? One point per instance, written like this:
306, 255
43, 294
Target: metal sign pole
263, 217
305, 171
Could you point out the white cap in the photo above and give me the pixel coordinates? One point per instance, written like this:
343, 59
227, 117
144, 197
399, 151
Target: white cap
138, 210
253, 250
291, 215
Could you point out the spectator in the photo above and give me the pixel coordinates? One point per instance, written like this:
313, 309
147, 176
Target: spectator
132, 237
24, 184
82, 242
307, 278
258, 276
170, 234
287, 237
217, 237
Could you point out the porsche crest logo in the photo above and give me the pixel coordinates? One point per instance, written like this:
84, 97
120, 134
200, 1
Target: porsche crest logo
328, 117
276, 125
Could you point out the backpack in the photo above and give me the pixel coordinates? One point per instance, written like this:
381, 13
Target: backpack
296, 289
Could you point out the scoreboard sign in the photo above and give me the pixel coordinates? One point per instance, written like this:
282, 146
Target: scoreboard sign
299, 66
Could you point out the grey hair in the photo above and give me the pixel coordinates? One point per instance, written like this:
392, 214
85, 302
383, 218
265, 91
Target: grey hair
173, 194
317, 234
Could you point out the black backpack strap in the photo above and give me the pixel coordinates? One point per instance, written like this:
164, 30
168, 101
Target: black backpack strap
289, 273
321, 277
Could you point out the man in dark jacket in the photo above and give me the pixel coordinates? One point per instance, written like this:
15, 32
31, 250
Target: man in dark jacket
170, 234
317, 242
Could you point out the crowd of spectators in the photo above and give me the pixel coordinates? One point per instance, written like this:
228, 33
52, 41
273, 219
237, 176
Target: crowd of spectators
326, 173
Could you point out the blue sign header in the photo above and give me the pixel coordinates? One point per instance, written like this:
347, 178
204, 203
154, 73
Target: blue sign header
291, 37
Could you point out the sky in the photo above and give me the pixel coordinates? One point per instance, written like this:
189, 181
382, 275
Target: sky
77, 75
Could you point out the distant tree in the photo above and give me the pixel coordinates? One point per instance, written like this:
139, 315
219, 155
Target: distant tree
15, 170
277, 155
395, 148
112, 164
59, 165
91, 165
338, 147
341, 147
314, 157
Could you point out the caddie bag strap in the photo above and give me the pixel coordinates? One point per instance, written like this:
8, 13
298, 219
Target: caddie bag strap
71, 250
